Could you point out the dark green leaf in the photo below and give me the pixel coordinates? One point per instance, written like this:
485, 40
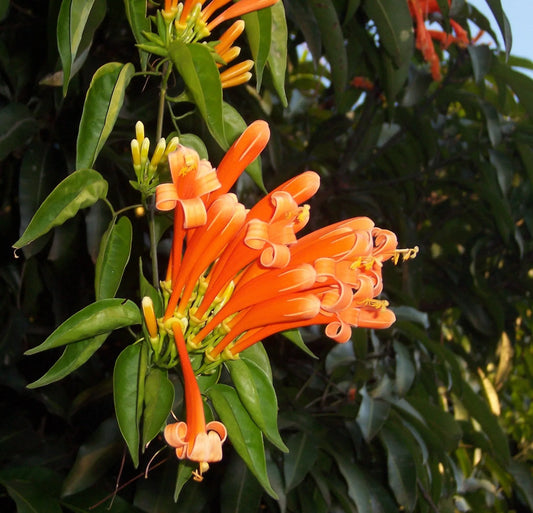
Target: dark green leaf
76, 23
113, 257
196, 65
503, 23
258, 396
74, 356
18, 125
79, 190
127, 376
33, 489
481, 58
98, 318
102, 105
277, 59
295, 337
405, 369
521, 84
158, 399
259, 356
372, 415
333, 41
244, 434
94, 458
394, 25
299, 461
259, 33
240, 491
139, 22
400, 466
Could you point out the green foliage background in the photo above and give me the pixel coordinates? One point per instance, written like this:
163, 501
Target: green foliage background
433, 414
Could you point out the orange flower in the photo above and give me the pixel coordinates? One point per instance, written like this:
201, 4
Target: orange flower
420, 10
240, 275
194, 439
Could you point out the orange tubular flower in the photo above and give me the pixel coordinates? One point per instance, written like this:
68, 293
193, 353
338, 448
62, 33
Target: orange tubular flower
194, 439
420, 10
240, 275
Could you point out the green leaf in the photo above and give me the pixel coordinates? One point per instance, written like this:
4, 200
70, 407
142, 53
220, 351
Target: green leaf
259, 34
79, 190
136, 14
295, 337
74, 356
481, 57
480, 411
196, 65
245, 436
405, 369
258, 396
395, 28
503, 23
521, 84
76, 24
185, 470
333, 41
95, 457
299, 461
113, 257
33, 489
401, 467
18, 126
102, 105
158, 399
127, 393
277, 59
521, 473
98, 318
259, 356
240, 492
372, 415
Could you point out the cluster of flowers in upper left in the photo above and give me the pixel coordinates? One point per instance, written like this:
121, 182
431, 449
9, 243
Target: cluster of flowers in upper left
236, 276
191, 22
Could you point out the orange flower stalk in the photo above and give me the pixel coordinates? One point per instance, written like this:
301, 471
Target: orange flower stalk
238, 275
420, 10
194, 439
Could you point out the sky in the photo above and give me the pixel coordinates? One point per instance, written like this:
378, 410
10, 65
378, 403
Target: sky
520, 19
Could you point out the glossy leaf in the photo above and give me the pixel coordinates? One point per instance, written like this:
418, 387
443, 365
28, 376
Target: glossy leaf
277, 59
76, 23
79, 190
127, 377
401, 467
18, 126
299, 461
258, 396
503, 23
240, 491
258, 355
244, 434
95, 456
405, 369
158, 399
113, 257
259, 33
102, 105
394, 25
333, 41
98, 318
74, 356
196, 65
139, 22
372, 415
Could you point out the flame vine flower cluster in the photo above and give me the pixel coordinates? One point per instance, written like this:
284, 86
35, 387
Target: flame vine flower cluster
237, 275
191, 22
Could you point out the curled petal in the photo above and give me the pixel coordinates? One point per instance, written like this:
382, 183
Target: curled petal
194, 213
166, 196
175, 434
275, 255
339, 331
